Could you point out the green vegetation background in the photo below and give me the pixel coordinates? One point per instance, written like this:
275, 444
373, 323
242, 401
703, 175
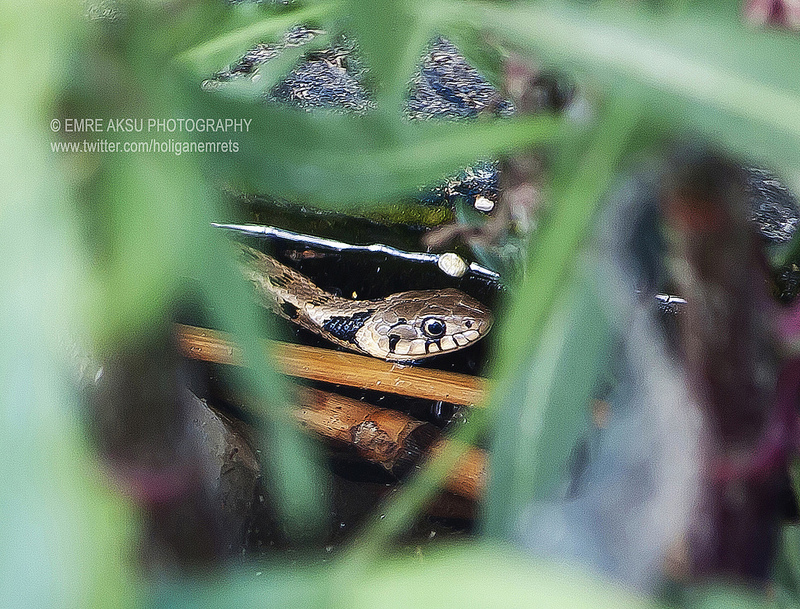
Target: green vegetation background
100, 246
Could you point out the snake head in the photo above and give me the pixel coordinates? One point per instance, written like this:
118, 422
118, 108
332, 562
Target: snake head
414, 325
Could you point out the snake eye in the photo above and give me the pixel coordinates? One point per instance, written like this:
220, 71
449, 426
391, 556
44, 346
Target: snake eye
433, 327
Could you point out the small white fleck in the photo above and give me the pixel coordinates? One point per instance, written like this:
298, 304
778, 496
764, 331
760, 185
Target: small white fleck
452, 264
483, 204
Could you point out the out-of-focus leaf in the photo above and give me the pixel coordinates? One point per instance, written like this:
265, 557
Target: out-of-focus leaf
550, 259
267, 75
486, 58
719, 596
164, 236
535, 434
138, 275
227, 47
65, 538
547, 410
553, 254
787, 567
461, 576
521, 351
712, 74
332, 160
292, 463
391, 34
154, 233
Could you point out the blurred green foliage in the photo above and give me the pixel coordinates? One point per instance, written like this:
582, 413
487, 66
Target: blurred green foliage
102, 245
473, 575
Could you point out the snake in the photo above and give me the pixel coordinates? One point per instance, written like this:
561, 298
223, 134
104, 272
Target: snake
402, 327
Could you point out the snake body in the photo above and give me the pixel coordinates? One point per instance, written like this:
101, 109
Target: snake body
403, 327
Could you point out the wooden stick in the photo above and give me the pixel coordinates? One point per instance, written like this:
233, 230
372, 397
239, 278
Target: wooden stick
338, 367
387, 437
378, 434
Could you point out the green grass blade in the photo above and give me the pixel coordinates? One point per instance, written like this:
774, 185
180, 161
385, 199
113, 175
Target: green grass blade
292, 461
551, 261
227, 47
392, 35
335, 161
466, 575
548, 407
708, 72
151, 231
66, 538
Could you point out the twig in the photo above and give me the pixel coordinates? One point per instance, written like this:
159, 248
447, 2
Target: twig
338, 367
443, 261
387, 437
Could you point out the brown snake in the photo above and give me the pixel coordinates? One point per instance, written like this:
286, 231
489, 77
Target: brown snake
402, 327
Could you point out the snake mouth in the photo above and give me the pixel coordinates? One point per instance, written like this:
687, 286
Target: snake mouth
397, 348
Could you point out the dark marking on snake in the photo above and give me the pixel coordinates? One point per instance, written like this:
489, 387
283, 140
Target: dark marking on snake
393, 340
290, 310
320, 300
345, 327
428, 344
281, 281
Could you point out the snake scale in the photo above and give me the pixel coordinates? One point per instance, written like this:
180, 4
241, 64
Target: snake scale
403, 327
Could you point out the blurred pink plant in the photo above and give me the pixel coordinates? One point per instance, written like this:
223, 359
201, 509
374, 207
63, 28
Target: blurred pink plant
783, 13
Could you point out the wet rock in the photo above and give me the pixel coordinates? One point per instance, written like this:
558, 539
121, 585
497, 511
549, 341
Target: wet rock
323, 81
477, 182
232, 473
263, 52
786, 283
773, 207
448, 86
142, 421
